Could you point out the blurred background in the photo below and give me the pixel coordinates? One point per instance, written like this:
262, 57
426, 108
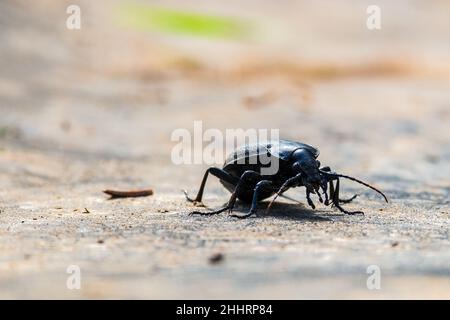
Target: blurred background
84, 110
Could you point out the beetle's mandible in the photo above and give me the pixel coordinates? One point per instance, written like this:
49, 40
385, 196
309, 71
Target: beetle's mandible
298, 167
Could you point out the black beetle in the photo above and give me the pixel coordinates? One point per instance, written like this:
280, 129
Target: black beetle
298, 166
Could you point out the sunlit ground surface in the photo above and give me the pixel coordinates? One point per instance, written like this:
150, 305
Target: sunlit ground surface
90, 109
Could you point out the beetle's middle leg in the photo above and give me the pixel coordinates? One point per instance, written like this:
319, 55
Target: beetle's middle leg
249, 177
260, 186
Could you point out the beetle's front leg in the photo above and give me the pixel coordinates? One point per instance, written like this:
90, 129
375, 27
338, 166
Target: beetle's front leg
336, 200
264, 184
308, 198
328, 169
348, 200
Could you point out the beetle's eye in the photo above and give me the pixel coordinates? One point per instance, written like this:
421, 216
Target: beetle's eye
318, 163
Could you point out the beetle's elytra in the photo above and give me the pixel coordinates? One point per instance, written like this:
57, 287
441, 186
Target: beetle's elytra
298, 167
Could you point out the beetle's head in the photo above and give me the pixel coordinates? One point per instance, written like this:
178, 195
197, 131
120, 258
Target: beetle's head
306, 172
306, 164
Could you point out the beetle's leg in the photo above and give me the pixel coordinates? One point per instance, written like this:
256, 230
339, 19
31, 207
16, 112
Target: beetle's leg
209, 213
319, 196
348, 200
246, 178
219, 173
340, 200
323, 186
263, 184
331, 192
308, 198
289, 183
336, 201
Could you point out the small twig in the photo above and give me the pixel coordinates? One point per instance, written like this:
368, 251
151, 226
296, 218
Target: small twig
128, 194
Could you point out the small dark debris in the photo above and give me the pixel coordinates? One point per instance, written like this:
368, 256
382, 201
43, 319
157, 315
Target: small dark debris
100, 241
394, 244
432, 158
216, 258
86, 211
65, 126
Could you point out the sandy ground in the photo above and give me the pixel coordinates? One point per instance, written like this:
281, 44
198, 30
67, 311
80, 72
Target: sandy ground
86, 110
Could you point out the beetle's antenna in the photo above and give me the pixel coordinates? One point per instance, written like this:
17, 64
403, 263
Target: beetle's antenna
332, 174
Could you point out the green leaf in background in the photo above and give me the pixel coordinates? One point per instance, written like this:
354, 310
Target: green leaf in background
173, 21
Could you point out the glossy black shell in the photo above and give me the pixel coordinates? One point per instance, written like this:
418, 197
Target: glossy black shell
282, 149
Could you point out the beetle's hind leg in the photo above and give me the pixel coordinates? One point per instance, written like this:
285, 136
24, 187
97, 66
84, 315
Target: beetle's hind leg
219, 173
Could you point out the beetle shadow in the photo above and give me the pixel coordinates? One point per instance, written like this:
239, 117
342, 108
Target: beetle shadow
285, 210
